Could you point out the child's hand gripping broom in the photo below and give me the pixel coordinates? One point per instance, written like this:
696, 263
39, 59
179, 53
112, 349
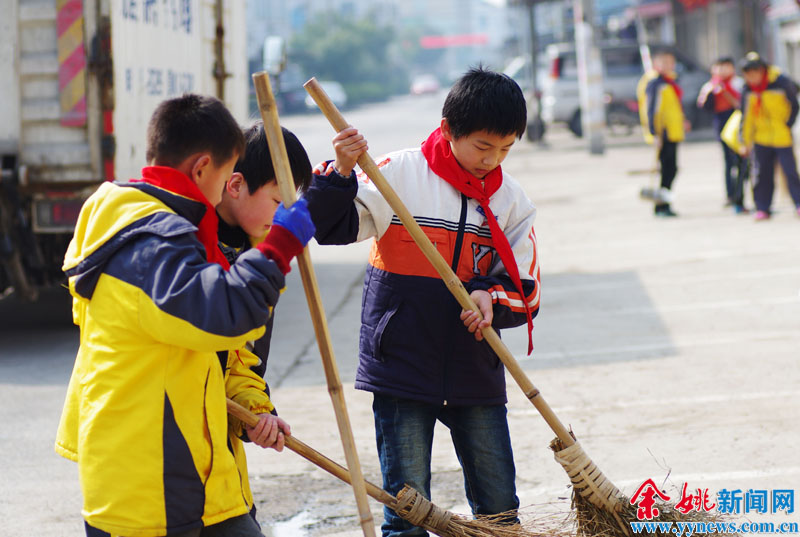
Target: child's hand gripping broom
409, 503
588, 481
283, 174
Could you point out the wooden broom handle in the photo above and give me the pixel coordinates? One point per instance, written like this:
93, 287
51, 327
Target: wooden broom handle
283, 174
452, 281
310, 454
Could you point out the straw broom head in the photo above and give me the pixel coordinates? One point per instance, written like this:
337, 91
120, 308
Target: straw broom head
412, 506
601, 510
592, 521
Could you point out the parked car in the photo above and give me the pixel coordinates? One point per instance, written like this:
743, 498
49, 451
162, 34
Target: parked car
291, 94
423, 84
622, 68
334, 90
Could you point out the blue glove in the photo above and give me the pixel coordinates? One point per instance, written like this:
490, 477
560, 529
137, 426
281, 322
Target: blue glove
296, 220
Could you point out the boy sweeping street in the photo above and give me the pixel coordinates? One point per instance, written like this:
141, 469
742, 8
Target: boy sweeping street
249, 204
415, 354
666, 124
155, 300
769, 110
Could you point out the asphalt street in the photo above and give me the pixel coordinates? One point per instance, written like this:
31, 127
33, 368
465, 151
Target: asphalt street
669, 346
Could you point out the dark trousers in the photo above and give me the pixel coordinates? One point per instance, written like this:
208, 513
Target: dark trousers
240, 526
668, 158
764, 162
736, 170
404, 432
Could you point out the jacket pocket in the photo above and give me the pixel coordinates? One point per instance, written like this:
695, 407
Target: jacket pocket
380, 331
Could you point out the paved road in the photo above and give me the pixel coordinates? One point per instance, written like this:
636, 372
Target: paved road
669, 346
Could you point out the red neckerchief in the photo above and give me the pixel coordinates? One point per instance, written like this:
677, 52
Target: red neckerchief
172, 180
759, 89
441, 160
721, 104
675, 86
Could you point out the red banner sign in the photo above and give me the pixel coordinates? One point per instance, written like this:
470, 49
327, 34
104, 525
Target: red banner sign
445, 41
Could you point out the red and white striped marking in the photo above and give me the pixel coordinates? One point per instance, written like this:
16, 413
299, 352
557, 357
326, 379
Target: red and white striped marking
71, 62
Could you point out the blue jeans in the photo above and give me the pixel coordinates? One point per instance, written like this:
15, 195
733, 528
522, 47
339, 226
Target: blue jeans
404, 432
736, 170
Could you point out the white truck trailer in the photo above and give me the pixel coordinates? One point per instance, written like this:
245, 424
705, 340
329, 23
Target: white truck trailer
79, 80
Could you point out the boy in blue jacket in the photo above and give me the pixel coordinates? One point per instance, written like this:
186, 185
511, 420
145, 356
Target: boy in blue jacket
249, 204
156, 300
250, 200
420, 355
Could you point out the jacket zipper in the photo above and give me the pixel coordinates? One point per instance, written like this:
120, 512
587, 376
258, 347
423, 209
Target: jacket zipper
462, 223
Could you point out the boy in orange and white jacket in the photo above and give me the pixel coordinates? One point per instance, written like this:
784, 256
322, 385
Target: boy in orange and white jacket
420, 355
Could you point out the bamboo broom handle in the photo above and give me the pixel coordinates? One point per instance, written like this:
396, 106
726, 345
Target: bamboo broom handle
283, 174
452, 281
313, 456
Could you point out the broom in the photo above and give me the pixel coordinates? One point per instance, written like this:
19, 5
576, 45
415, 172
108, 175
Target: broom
283, 174
595, 497
409, 504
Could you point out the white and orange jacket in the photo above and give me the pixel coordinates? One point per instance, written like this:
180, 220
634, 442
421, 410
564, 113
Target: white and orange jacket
412, 342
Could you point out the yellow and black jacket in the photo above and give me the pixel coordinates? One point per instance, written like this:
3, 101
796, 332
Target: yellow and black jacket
641, 98
233, 241
145, 414
768, 117
244, 385
244, 376
664, 110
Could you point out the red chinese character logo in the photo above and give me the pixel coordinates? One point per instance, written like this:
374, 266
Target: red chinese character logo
645, 499
694, 502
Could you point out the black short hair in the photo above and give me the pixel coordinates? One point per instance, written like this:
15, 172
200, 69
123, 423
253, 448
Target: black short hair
659, 52
485, 100
753, 61
190, 124
256, 164
725, 59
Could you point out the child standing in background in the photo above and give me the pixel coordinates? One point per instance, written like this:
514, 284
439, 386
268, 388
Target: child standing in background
769, 110
666, 124
721, 95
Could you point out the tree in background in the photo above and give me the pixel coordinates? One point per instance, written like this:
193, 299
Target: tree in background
356, 53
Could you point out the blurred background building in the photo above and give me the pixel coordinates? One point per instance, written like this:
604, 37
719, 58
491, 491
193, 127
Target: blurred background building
442, 38
463, 31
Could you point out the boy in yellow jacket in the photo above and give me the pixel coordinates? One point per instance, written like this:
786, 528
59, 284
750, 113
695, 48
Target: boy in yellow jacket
156, 301
665, 123
769, 110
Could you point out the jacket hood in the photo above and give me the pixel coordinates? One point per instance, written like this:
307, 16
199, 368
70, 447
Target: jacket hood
119, 212
773, 73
